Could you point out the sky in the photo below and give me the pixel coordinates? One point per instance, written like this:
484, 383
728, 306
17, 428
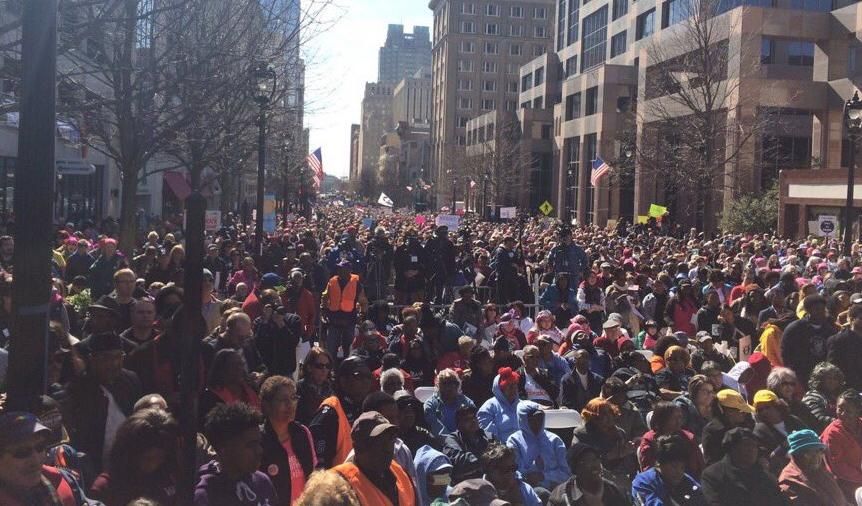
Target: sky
341, 56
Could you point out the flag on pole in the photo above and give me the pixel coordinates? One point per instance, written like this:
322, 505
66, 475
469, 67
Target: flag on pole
600, 168
315, 163
385, 201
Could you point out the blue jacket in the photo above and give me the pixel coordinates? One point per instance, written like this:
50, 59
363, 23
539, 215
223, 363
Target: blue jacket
649, 489
435, 417
544, 452
571, 259
551, 298
497, 415
557, 367
428, 461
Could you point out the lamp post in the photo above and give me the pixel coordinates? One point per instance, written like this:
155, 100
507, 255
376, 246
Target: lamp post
264, 91
485, 196
853, 119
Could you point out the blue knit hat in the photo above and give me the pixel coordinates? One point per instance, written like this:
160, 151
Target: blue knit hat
803, 440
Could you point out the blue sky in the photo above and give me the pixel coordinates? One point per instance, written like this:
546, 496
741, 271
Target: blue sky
340, 59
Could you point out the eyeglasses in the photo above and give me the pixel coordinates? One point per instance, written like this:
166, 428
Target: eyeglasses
25, 452
322, 365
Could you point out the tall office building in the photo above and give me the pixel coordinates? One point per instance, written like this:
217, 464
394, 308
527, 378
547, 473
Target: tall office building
403, 54
354, 151
478, 49
376, 121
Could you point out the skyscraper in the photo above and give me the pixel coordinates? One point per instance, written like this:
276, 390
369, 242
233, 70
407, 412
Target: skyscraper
403, 54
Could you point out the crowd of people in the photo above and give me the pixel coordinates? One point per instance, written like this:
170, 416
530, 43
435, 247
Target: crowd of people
376, 358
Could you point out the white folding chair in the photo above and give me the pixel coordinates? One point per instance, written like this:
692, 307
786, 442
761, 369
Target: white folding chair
562, 419
423, 393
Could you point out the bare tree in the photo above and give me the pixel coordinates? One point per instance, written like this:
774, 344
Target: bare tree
500, 159
697, 123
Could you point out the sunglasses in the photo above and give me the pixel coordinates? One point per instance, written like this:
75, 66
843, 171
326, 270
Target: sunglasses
25, 452
321, 366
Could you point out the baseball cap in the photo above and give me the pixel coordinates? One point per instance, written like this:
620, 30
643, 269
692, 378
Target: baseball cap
345, 264
106, 303
369, 425
476, 492
17, 425
610, 324
703, 336
856, 298
271, 279
732, 399
350, 366
764, 397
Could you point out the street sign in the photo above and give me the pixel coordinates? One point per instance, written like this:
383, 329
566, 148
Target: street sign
451, 221
212, 221
546, 208
826, 225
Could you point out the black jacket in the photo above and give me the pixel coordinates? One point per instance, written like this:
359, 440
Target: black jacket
324, 428
572, 393
277, 345
713, 434
464, 454
844, 349
85, 411
803, 345
563, 495
775, 442
724, 484
275, 460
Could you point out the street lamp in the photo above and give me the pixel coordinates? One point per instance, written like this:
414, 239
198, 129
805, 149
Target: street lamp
853, 118
263, 93
451, 174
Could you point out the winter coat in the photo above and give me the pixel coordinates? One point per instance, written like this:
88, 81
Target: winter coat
544, 452
216, 489
497, 415
427, 461
649, 489
726, 484
434, 413
802, 489
844, 457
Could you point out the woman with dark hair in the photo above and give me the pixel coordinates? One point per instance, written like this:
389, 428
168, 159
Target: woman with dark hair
843, 440
667, 421
824, 385
418, 364
411, 422
479, 378
228, 382
600, 430
315, 385
491, 318
673, 379
378, 313
696, 405
288, 448
143, 461
731, 411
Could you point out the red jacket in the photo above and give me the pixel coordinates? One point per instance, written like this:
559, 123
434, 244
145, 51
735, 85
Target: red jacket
305, 308
647, 457
844, 457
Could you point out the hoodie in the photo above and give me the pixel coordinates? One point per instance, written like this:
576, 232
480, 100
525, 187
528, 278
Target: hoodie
428, 461
497, 415
544, 452
215, 489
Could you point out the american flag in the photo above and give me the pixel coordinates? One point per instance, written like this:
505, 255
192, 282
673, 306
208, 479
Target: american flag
600, 168
315, 163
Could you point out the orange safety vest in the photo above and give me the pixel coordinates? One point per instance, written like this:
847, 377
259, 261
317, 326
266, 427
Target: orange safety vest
369, 495
342, 301
344, 444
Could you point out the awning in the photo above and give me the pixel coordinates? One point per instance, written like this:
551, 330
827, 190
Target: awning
178, 184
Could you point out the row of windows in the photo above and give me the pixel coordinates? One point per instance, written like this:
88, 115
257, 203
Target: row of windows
487, 85
469, 27
795, 52
469, 47
591, 104
595, 35
489, 67
515, 11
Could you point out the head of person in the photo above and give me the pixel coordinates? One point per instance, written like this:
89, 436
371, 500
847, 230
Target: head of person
465, 417
343, 269
23, 444
676, 358
733, 407
806, 450
611, 329
104, 356
531, 357
475, 491
827, 379
353, 379
713, 373
278, 399
500, 466
586, 464
241, 291
391, 380
466, 292
740, 444
151, 401
109, 247
124, 283
373, 442
815, 306
228, 369
384, 404
667, 418
318, 365
238, 329
409, 410
448, 385
168, 301
466, 345
848, 409
582, 361
700, 390
768, 408
672, 456
145, 444
143, 313
601, 413
481, 362
614, 389
783, 382
234, 432
508, 381
410, 326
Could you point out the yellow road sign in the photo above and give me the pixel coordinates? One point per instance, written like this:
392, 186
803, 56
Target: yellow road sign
546, 208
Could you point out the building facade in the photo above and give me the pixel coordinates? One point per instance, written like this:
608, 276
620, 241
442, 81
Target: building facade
625, 71
354, 151
478, 48
376, 121
403, 54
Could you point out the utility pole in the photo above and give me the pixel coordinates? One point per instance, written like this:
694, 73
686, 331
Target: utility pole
34, 179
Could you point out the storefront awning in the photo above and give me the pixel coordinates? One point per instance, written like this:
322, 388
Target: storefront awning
178, 184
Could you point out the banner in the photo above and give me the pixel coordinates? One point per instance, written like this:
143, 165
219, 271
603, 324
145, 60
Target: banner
420, 220
642, 220
212, 221
385, 200
269, 213
448, 220
657, 211
508, 212
827, 225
